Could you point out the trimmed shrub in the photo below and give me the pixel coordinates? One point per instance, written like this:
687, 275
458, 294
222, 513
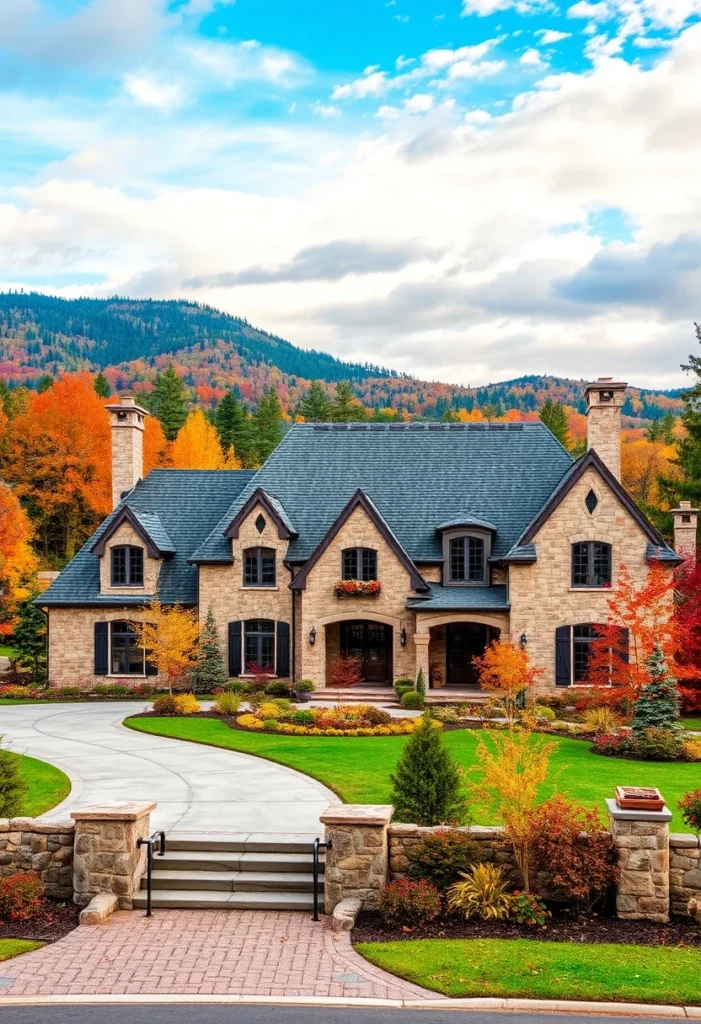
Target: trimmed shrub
659, 745
612, 745
427, 785
405, 904
481, 893
271, 725
269, 710
441, 856
692, 749
165, 705
412, 701
302, 718
67, 691
278, 688
112, 690
20, 896
690, 806
237, 687
544, 714
187, 704
376, 716
305, 686
12, 785
228, 702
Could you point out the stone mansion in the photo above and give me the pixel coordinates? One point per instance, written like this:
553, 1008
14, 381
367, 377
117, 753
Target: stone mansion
405, 546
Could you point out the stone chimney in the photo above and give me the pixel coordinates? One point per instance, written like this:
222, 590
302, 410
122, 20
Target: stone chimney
127, 421
604, 399
685, 523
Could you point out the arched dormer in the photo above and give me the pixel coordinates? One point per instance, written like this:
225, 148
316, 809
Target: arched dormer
467, 546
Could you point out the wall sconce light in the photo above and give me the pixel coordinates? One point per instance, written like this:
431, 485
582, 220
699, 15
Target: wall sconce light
312, 636
524, 640
402, 637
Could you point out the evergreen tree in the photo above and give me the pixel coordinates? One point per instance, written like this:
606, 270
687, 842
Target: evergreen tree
211, 672
315, 406
45, 382
5, 396
267, 424
12, 785
689, 447
29, 637
234, 426
345, 407
427, 785
554, 417
169, 401
450, 415
421, 683
657, 707
102, 388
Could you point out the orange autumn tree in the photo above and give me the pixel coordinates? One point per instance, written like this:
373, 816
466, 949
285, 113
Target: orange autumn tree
169, 635
506, 671
18, 563
197, 446
156, 452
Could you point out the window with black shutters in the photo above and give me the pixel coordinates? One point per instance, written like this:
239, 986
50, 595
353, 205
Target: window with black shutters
591, 564
467, 562
259, 644
359, 564
126, 657
259, 567
582, 639
127, 566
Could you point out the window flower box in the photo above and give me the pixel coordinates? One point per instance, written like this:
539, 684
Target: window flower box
356, 588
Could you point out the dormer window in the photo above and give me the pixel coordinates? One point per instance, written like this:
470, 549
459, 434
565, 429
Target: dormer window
259, 567
127, 566
467, 560
359, 564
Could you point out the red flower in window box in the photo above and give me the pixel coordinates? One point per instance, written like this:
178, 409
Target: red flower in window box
357, 588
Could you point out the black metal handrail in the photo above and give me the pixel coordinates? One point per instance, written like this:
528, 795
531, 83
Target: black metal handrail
160, 838
317, 845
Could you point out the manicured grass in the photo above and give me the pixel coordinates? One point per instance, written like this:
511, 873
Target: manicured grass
46, 786
359, 768
7, 652
14, 947
692, 723
532, 969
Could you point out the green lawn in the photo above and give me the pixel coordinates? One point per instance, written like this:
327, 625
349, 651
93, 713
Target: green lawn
531, 969
359, 768
7, 652
14, 947
692, 723
46, 786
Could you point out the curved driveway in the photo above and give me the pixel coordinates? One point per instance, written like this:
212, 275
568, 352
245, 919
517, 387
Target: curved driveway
197, 788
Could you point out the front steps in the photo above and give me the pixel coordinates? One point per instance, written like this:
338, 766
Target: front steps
229, 872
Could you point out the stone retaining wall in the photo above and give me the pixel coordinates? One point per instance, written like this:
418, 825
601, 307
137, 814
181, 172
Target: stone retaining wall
45, 847
494, 846
684, 871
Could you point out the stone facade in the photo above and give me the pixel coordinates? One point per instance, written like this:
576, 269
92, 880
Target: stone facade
492, 842
642, 841
684, 871
107, 857
126, 534
358, 857
605, 400
127, 422
45, 847
686, 520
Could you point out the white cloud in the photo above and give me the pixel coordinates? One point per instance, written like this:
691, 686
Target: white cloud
550, 36
403, 62
594, 12
231, 63
651, 43
419, 103
374, 84
150, 92
326, 110
484, 69
533, 59
477, 116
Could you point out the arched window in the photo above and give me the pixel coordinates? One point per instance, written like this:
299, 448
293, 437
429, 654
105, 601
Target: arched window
259, 567
467, 560
126, 657
359, 564
591, 564
259, 644
127, 566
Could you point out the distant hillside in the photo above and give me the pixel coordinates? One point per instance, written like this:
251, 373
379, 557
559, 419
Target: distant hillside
131, 339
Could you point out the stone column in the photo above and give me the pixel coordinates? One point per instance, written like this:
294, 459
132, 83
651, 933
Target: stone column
642, 841
421, 642
357, 865
106, 857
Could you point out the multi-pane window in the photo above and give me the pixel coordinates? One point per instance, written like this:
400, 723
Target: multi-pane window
259, 644
126, 657
591, 564
467, 560
582, 639
360, 564
127, 566
259, 567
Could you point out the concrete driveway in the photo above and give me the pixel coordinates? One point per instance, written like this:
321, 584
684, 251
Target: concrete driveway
197, 788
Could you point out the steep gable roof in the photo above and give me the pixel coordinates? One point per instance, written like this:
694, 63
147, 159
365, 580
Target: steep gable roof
147, 525
272, 506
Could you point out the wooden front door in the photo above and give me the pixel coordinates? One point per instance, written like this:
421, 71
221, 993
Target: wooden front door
464, 641
370, 643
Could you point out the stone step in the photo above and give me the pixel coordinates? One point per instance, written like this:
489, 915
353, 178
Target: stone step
208, 899
212, 860
234, 881
244, 842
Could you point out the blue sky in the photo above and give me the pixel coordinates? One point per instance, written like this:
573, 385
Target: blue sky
464, 189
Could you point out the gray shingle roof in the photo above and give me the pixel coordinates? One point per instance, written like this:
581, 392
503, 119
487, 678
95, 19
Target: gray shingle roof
417, 474
187, 504
467, 519
153, 526
657, 553
463, 599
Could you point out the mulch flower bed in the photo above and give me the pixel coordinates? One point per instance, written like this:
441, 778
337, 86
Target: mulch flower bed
54, 921
592, 929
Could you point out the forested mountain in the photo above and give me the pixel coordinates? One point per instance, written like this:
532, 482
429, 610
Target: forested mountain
129, 340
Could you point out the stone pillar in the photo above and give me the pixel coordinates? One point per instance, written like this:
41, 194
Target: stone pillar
684, 871
685, 524
357, 865
642, 841
106, 857
421, 641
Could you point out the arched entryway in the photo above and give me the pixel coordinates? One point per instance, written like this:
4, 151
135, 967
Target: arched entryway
366, 641
453, 649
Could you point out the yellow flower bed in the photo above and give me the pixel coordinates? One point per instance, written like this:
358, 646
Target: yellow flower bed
257, 722
187, 704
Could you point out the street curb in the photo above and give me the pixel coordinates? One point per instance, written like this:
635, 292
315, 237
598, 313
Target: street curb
477, 1004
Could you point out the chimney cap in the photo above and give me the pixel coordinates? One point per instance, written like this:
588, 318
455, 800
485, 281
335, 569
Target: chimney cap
685, 508
605, 384
127, 403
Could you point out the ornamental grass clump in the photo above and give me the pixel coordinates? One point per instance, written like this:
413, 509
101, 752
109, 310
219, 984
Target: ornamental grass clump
427, 787
482, 892
228, 703
601, 721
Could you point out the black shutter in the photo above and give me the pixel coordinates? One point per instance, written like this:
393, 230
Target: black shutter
283, 649
563, 656
623, 644
235, 648
101, 648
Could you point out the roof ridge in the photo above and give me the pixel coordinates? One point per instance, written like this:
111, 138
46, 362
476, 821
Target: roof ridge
425, 425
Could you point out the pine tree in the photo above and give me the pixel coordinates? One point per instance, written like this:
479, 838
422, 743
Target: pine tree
45, 382
267, 424
102, 388
421, 683
315, 406
211, 671
169, 401
688, 447
345, 408
657, 707
427, 785
234, 426
29, 637
554, 417
12, 785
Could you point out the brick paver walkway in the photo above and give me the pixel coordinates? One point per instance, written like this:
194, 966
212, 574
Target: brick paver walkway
203, 952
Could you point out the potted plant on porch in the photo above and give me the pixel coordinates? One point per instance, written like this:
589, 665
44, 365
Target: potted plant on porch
304, 690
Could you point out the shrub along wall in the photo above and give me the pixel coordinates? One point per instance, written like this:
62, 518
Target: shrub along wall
493, 844
684, 871
45, 847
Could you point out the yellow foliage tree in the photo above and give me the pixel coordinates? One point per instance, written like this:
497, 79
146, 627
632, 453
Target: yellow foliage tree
642, 463
506, 671
197, 446
170, 636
